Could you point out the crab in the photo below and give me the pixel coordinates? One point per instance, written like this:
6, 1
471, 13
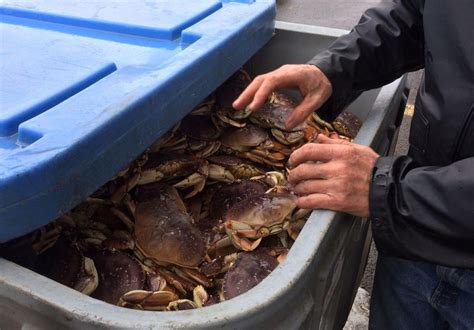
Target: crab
163, 230
65, 263
273, 115
177, 144
347, 124
228, 169
171, 167
232, 194
230, 117
107, 226
223, 198
249, 269
258, 216
167, 139
206, 107
227, 94
157, 282
118, 273
199, 206
276, 246
282, 98
120, 240
219, 265
271, 179
162, 300
201, 135
253, 142
181, 285
147, 300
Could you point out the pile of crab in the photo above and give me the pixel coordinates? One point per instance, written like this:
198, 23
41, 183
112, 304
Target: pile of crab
201, 217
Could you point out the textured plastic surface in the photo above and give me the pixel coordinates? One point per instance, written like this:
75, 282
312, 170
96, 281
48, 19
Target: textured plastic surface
85, 86
312, 289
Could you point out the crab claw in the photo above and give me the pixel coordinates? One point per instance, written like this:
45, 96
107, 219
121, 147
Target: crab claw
243, 236
219, 173
200, 296
243, 243
196, 180
147, 300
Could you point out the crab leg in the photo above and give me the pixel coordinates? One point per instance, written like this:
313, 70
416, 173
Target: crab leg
219, 173
197, 179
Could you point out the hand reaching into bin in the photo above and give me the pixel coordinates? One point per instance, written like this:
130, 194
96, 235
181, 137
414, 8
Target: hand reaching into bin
332, 173
313, 85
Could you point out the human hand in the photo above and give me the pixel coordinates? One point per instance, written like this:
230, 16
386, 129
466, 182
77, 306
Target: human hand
312, 83
332, 174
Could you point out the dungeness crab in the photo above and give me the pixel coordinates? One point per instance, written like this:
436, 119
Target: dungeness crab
163, 230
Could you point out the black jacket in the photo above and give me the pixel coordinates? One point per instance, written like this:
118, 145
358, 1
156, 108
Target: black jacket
421, 205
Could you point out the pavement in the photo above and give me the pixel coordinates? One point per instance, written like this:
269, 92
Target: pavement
341, 14
344, 14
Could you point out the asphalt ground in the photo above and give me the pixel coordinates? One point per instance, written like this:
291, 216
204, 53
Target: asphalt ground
344, 14
341, 14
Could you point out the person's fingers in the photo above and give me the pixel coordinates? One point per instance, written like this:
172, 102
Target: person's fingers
321, 138
300, 112
248, 94
314, 152
317, 186
309, 104
315, 201
261, 95
307, 171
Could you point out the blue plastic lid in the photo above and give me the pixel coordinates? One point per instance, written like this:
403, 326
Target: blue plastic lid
86, 86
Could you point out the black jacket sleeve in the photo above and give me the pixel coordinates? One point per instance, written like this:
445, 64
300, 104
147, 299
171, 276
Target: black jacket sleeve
418, 212
424, 213
387, 42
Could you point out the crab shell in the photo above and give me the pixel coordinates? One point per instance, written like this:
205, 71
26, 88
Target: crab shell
258, 216
247, 271
225, 168
283, 99
229, 195
163, 191
199, 128
201, 135
172, 164
274, 115
245, 138
347, 124
164, 231
118, 273
66, 264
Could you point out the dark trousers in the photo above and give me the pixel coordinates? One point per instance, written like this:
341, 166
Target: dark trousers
419, 295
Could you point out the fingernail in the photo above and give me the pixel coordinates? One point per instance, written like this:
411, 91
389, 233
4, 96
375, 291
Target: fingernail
235, 104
